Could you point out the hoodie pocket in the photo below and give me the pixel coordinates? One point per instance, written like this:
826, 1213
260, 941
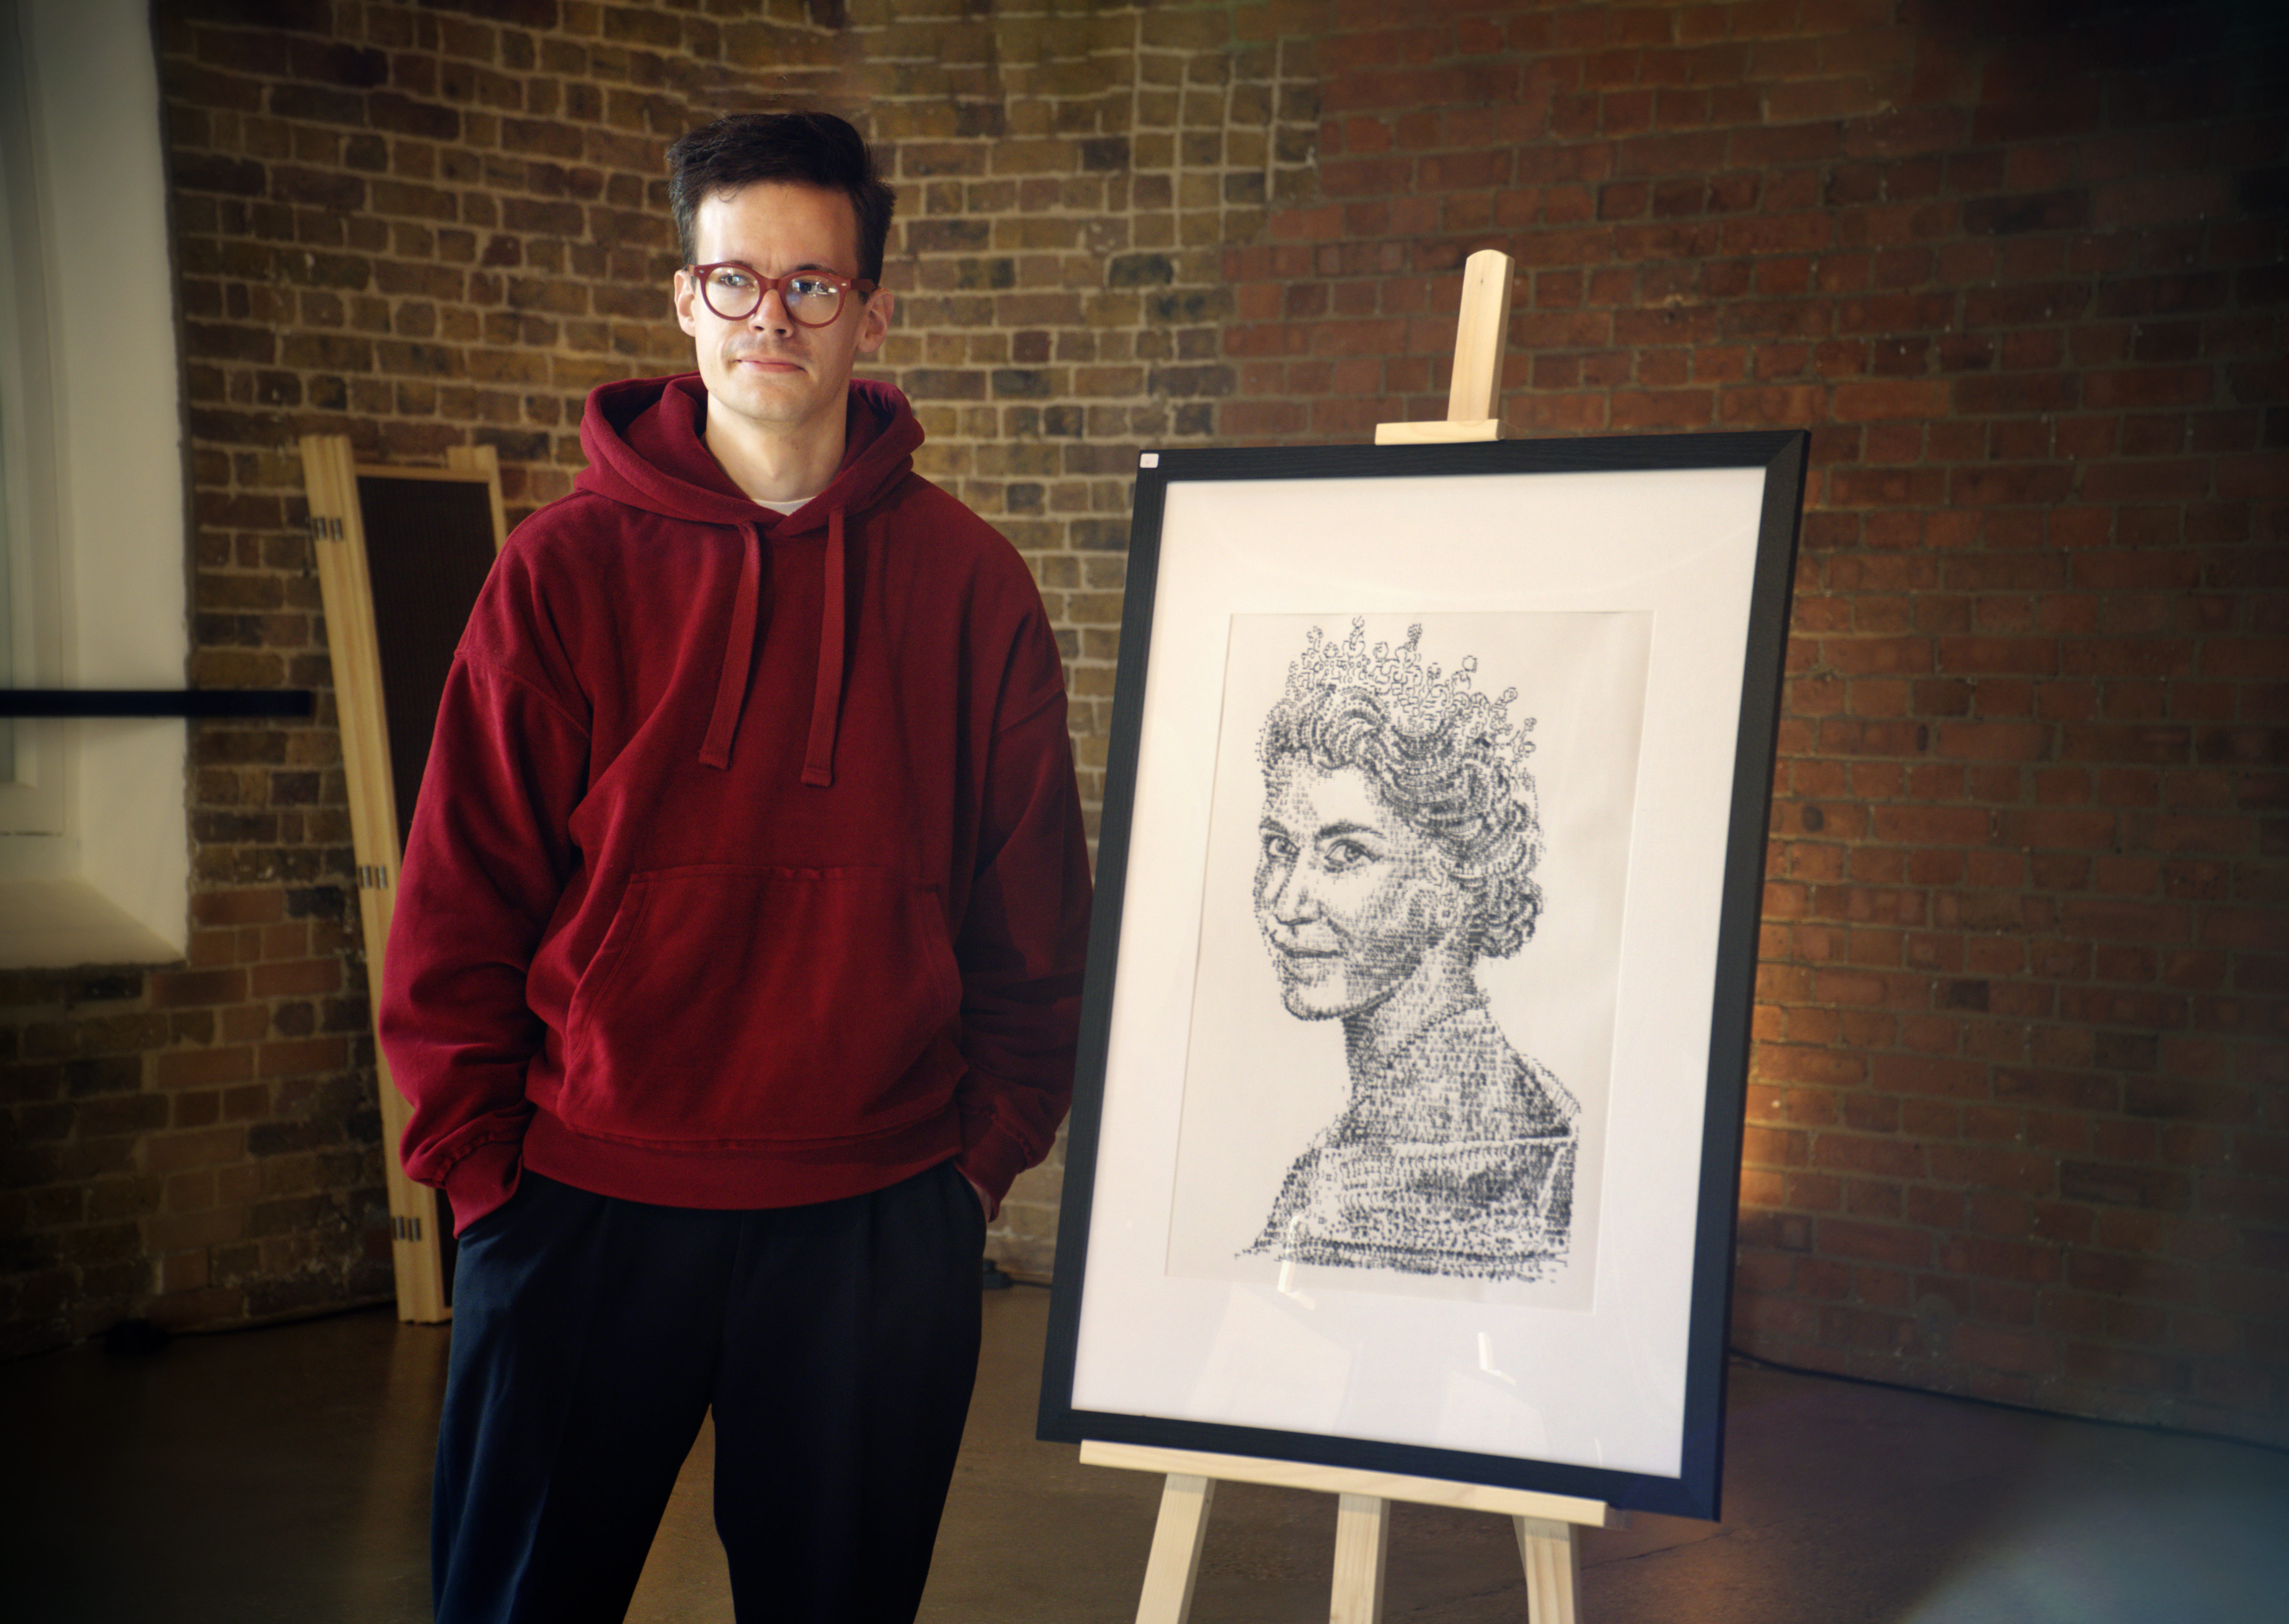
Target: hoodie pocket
766, 1005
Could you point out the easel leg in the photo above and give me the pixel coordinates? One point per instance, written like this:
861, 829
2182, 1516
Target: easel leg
1362, 1541
1552, 1557
1176, 1561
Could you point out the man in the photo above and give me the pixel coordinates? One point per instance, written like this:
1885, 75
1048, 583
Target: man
737, 950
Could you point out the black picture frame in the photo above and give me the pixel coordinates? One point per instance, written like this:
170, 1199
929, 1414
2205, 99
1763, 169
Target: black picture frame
1679, 552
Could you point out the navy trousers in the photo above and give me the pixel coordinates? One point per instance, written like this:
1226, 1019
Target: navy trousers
837, 1345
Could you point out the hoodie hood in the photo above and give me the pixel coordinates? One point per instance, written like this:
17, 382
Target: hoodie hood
645, 440
646, 444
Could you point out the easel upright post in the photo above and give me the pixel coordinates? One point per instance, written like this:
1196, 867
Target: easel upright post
1482, 335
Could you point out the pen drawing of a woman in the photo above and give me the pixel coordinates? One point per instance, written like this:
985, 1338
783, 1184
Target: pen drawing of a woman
1397, 846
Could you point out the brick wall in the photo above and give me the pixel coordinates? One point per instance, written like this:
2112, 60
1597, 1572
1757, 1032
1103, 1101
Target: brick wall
2017, 1124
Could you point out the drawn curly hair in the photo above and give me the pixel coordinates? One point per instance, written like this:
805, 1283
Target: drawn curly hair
1444, 757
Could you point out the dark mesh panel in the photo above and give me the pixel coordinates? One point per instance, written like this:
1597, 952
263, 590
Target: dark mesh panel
428, 544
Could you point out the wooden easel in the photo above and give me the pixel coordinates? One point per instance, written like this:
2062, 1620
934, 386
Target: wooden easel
342, 494
1547, 1526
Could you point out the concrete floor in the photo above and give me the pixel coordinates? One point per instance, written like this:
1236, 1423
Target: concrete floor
283, 1475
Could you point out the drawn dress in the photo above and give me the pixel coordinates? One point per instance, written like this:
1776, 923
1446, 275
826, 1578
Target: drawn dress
1457, 1158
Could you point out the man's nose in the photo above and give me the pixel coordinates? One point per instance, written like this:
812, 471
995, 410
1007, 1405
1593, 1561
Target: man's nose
762, 315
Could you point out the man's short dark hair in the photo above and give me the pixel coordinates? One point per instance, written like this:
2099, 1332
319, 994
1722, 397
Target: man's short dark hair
804, 148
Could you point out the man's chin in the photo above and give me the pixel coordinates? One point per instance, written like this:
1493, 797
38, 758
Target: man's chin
764, 388
781, 398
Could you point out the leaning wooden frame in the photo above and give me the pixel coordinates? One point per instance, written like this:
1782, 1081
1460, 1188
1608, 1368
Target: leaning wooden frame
1414, 1040
402, 554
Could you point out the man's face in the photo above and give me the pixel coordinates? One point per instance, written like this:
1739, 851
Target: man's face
769, 376
1350, 896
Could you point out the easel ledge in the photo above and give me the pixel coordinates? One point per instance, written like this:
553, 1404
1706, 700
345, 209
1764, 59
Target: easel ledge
1382, 1485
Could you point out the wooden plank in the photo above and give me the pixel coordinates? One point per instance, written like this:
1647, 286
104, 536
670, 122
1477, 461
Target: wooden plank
1362, 1550
1174, 1567
451, 474
1482, 333
1436, 433
1552, 1553
1342, 1480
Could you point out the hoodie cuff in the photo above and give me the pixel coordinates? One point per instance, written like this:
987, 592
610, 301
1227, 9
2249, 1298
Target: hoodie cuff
484, 1180
992, 1161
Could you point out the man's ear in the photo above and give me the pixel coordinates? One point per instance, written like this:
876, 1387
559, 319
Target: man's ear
686, 292
873, 321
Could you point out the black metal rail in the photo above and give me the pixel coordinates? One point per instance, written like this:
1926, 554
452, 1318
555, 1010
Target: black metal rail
196, 703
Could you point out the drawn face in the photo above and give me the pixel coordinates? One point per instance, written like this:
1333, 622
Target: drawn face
1350, 896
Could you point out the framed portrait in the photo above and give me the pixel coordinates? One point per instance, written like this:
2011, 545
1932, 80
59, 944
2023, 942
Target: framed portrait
1407, 1124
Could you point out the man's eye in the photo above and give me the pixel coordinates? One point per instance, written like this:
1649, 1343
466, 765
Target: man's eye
1278, 847
737, 279
809, 287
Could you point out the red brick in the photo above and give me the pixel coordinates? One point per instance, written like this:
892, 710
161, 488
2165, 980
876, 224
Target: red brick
299, 978
205, 1148
1992, 1348
287, 1057
1901, 1246
175, 988
203, 1068
1891, 1158
238, 907
1992, 1258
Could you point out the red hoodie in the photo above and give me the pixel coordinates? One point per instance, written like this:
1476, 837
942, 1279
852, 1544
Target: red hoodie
748, 869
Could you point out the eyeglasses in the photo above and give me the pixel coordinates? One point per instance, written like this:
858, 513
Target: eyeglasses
813, 298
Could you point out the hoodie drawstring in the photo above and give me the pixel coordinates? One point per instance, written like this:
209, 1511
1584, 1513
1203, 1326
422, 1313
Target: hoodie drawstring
739, 657
826, 698
739, 654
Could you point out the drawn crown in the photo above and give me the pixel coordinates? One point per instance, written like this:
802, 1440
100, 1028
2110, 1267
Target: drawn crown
1421, 699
